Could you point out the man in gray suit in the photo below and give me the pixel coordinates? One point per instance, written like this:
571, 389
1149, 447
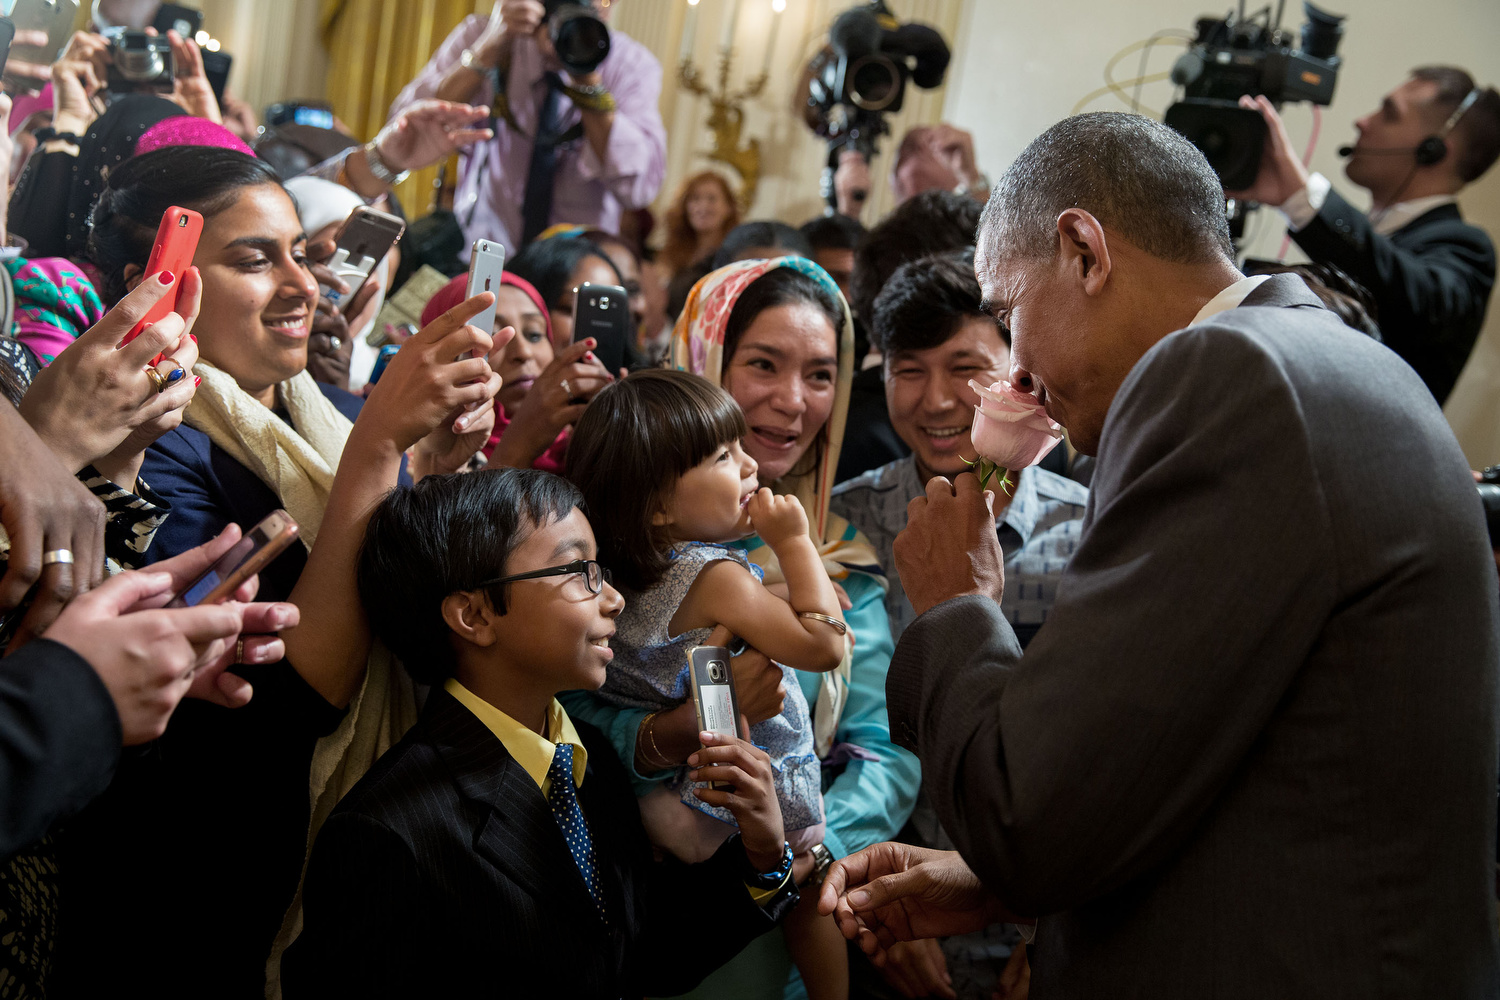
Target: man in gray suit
1252, 752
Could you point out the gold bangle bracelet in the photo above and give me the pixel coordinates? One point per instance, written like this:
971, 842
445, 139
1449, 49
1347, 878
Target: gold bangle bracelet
655, 758
814, 616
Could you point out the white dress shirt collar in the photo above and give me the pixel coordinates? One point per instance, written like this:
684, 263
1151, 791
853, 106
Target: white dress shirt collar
1229, 298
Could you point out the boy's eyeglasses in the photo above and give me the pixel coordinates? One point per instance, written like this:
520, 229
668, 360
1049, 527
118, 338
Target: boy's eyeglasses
594, 574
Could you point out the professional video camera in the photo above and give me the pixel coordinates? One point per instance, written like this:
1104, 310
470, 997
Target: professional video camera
861, 75
1235, 56
580, 39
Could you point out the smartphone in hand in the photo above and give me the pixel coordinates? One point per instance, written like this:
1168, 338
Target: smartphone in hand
251, 554
713, 693
363, 241
7, 35
176, 243
603, 312
486, 265
56, 18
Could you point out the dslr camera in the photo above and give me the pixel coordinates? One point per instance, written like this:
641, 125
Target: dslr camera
140, 62
861, 75
1238, 56
579, 37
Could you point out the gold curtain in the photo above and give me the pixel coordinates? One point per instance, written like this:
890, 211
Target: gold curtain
375, 48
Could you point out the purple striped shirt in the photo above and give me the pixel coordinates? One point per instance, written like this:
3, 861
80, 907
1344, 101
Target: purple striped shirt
588, 190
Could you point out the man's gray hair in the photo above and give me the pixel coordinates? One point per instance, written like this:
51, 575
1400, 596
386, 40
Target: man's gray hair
1135, 175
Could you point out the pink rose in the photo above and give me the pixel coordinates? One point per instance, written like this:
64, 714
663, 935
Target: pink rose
1011, 429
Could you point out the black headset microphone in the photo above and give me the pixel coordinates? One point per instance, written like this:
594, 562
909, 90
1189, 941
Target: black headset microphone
1431, 150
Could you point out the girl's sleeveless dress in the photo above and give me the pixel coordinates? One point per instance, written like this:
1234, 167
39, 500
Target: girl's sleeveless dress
650, 671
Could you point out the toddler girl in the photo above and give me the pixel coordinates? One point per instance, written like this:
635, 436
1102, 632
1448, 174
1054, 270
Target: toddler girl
666, 485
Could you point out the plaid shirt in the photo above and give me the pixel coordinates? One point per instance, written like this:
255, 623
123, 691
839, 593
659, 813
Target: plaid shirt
1038, 533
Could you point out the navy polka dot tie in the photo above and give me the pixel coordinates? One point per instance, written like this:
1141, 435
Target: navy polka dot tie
569, 816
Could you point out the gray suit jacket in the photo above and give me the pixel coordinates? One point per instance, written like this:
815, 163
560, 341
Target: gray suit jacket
1252, 752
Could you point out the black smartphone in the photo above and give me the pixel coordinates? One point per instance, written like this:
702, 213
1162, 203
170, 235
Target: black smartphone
216, 69
7, 35
603, 312
251, 554
713, 692
174, 17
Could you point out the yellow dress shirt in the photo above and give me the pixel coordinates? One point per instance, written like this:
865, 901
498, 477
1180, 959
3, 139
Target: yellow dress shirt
531, 750
534, 752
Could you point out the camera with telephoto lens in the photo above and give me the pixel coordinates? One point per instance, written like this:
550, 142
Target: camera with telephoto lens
1489, 496
140, 62
1237, 56
579, 37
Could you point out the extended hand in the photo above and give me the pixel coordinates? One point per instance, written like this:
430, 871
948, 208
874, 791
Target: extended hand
190, 87
432, 379
746, 768
950, 547
918, 969
96, 395
895, 892
77, 76
1281, 172
429, 132
257, 641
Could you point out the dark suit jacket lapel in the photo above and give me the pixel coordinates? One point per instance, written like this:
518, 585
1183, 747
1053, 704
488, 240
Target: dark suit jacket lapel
517, 833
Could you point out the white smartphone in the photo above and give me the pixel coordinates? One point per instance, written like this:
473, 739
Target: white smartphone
486, 265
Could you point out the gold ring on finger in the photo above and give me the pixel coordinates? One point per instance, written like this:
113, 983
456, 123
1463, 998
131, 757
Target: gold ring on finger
157, 379
177, 374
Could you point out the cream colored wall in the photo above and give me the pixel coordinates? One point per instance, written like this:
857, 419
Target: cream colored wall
276, 48
1022, 67
792, 157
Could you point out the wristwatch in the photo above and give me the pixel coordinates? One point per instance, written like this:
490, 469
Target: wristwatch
382, 170
981, 183
771, 879
469, 61
822, 861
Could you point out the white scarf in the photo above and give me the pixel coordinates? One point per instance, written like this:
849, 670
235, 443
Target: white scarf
296, 461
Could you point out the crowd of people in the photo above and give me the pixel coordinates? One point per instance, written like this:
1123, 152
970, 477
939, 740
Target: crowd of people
1202, 704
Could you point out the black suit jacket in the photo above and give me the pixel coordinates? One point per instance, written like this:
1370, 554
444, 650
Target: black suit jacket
1431, 280
1252, 752
444, 873
59, 740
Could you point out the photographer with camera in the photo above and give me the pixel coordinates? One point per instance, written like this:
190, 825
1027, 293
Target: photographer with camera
578, 137
1430, 272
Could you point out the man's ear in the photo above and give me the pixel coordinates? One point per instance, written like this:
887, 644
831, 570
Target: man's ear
1084, 249
133, 275
470, 616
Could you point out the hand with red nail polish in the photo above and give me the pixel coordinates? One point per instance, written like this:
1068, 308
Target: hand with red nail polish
95, 405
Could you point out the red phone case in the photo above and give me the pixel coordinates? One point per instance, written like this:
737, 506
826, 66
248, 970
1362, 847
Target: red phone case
176, 242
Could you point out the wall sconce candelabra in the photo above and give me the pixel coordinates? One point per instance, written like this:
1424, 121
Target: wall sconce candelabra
726, 118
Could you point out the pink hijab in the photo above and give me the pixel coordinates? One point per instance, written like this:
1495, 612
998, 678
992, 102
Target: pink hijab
451, 295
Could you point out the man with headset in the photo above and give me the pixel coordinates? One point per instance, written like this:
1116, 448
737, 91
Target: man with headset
1430, 272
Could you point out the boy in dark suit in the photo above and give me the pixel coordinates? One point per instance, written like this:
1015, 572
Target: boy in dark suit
497, 848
